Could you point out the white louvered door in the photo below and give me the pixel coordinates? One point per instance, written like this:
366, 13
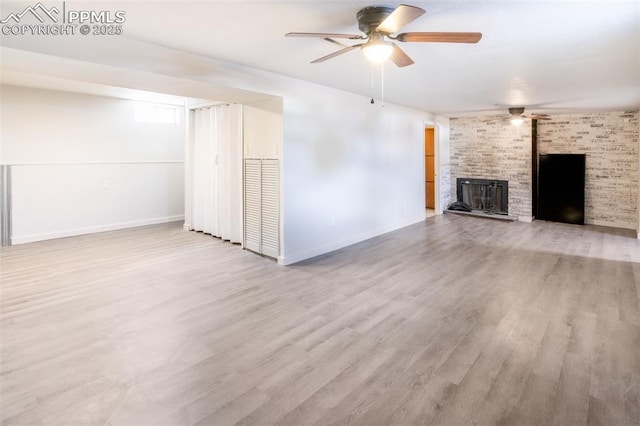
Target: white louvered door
270, 200
252, 204
261, 207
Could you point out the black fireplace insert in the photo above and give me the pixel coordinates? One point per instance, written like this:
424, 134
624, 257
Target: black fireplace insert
485, 195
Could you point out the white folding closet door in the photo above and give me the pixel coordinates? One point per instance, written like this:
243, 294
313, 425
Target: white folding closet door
234, 167
195, 179
211, 157
221, 136
217, 172
202, 172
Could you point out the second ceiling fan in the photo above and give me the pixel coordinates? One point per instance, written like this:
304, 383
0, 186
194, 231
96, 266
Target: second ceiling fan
518, 116
379, 24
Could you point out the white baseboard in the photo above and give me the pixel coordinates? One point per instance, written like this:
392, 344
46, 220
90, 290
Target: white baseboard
93, 229
525, 219
317, 251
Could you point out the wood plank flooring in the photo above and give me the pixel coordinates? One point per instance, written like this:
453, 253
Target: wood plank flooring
453, 321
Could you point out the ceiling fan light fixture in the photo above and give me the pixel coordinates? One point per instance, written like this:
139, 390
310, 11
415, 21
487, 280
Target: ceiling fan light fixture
378, 22
517, 121
377, 51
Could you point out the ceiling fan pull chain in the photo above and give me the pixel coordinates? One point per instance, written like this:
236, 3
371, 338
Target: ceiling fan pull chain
372, 85
382, 83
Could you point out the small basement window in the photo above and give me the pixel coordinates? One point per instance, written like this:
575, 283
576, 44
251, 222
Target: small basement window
157, 113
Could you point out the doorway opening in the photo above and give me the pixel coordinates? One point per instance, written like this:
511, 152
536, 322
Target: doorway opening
429, 171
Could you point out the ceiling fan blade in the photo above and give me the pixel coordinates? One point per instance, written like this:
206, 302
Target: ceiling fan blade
440, 37
330, 40
496, 120
334, 54
326, 35
399, 18
399, 57
539, 117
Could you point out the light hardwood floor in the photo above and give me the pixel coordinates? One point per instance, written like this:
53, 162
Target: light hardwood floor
453, 321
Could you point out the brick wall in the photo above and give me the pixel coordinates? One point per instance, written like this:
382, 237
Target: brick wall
498, 150
490, 148
445, 185
610, 141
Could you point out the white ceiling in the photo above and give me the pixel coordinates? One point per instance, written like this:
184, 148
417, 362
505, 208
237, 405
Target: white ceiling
550, 55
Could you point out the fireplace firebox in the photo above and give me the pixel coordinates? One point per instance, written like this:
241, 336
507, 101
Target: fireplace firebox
484, 195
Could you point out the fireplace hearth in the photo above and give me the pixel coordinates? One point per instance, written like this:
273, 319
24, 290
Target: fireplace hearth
484, 195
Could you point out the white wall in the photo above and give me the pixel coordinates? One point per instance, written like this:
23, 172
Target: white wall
83, 164
351, 170
444, 159
263, 129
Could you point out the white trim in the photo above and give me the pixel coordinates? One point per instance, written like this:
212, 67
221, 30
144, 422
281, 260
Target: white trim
205, 104
436, 164
437, 135
436, 169
92, 163
317, 251
188, 167
95, 229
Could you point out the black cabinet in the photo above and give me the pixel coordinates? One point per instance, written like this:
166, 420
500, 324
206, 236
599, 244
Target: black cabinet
561, 188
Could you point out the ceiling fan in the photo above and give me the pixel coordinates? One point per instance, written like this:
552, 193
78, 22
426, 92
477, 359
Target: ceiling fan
379, 24
518, 115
